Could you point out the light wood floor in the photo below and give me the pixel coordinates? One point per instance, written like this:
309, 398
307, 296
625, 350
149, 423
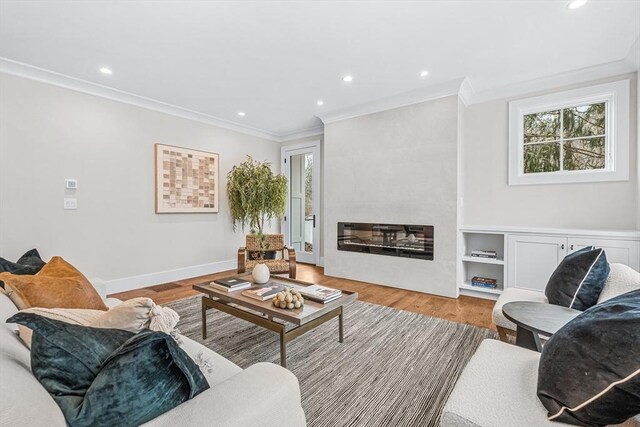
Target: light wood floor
473, 311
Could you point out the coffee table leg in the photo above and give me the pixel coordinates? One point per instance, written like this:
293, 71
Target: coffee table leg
204, 319
283, 349
528, 339
341, 326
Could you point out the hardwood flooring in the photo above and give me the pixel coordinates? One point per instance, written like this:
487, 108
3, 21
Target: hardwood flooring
473, 311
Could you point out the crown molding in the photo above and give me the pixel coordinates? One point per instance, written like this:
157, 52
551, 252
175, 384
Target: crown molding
314, 131
633, 57
31, 72
404, 99
466, 91
582, 75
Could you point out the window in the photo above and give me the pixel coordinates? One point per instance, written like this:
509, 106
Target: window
573, 136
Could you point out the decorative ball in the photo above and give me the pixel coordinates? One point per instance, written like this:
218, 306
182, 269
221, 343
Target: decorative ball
289, 299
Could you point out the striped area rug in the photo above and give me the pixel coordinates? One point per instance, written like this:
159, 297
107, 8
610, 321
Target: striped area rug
394, 368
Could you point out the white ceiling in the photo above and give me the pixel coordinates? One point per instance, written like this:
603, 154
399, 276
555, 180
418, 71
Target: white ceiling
274, 60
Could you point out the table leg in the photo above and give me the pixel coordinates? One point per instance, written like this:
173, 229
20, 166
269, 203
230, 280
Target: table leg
283, 349
204, 319
341, 326
528, 339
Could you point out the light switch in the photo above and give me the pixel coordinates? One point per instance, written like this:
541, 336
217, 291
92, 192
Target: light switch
71, 184
70, 204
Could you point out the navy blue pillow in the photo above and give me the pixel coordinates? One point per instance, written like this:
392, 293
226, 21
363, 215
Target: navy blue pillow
107, 377
579, 279
589, 371
29, 263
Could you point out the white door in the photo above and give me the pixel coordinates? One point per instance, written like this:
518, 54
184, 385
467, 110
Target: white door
532, 260
301, 166
619, 251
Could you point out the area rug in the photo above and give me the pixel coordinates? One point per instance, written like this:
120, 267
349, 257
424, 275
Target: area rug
395, 368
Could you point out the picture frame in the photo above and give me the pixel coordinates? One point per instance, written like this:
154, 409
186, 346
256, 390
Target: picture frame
186, 180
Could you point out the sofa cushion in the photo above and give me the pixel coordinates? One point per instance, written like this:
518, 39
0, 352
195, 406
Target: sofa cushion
578, 280
136, 314
510, 295
590, 369
57, 285
29, 263
622, 279
74, 316
104, 377
497, 388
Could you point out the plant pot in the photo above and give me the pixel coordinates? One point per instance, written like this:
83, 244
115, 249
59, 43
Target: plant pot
260, 274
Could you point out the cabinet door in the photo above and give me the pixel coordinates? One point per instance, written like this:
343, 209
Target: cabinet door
532, 259
620, 251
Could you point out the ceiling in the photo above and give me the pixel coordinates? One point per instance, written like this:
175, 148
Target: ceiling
275, 60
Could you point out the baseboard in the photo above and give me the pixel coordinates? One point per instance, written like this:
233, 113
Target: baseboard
150, 279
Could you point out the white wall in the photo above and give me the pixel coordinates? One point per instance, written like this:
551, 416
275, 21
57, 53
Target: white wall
489, 200
48, 134
398, 166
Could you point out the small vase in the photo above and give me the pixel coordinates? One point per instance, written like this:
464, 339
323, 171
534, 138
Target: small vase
260, 274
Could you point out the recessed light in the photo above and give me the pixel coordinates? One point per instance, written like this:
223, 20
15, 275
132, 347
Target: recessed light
576, 4
105, 70
424, 73
347, 79
241, 113
320, 103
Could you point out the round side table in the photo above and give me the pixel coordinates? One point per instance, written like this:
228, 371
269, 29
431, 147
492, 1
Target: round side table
536, 318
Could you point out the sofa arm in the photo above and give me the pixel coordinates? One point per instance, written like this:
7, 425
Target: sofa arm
264, 395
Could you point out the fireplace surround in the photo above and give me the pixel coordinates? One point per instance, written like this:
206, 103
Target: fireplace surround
400, 240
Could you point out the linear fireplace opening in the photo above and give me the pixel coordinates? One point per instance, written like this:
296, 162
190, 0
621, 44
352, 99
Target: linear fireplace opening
401, 240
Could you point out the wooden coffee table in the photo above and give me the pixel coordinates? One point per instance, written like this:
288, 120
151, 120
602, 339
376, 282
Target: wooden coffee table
263, 313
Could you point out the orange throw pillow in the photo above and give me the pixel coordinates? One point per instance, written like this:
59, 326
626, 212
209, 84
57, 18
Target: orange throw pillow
57, 285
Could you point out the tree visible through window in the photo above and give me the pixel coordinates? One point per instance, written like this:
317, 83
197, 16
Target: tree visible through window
565, 139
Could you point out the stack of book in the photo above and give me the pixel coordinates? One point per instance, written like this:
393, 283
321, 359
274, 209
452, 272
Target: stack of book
483, 253
230, 284
263, 292
484, 282
320, 294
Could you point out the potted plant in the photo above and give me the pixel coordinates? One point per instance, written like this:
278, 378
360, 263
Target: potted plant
256, 196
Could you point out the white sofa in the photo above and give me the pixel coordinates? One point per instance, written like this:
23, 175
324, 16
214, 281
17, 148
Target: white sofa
498, 386
622, 279
498, 389
262, 395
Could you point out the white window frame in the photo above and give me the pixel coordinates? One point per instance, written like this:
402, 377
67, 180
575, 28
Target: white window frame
616, 96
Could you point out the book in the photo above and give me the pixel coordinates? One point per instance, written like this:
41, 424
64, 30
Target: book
319, 293
484, 285
227, 289
483, 253
232, 282
324, 301
263, 292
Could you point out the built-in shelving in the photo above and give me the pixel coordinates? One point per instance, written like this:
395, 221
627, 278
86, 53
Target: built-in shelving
470, 266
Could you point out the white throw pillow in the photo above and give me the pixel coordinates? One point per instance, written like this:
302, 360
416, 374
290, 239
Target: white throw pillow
622, 279
132, 315
136, 314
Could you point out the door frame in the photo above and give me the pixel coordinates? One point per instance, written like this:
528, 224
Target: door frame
287, 151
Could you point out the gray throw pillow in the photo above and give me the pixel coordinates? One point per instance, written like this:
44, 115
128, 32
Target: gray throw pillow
109, 377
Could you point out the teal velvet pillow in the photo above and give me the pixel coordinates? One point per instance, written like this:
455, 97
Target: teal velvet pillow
107, 377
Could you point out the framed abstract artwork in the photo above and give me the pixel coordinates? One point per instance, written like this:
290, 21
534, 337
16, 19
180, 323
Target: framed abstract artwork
187, 180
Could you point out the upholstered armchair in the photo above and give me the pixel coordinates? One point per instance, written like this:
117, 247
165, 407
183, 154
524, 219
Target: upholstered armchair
248, 256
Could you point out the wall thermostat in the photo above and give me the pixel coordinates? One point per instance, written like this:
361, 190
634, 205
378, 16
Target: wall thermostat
71, 184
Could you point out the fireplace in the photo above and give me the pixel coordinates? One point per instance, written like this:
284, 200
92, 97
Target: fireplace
401, 240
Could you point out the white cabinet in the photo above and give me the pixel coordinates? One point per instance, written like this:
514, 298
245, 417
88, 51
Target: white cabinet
618, 251
533, 259
527, 257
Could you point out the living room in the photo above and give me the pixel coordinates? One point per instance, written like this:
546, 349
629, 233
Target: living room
448, 167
